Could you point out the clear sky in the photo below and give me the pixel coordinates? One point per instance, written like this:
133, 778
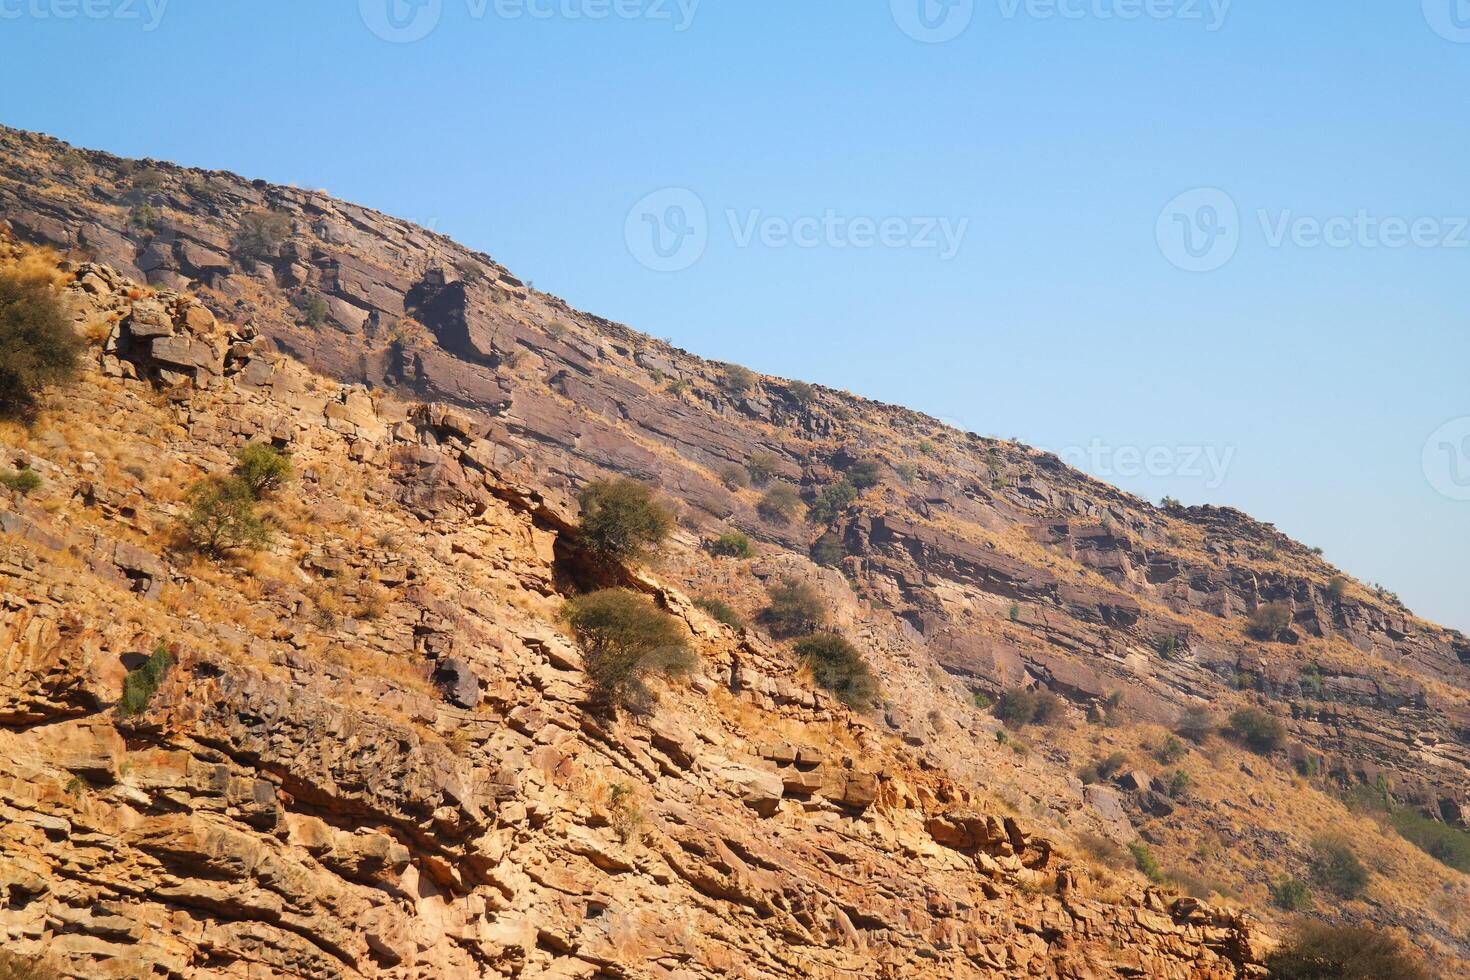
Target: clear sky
971, 207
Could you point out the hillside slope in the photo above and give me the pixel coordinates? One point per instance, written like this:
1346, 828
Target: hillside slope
419, 791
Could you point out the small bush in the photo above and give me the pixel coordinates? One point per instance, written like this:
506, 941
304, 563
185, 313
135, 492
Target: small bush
829, 549
1446, 844
837, 666
1197, 724
222, 517
734, 477
721, 612
1336, 868
982, 700
1019, 707
732, 545
762, 467
736, 380
1319, 951
37, 344
23, 482
801, 392
261, 234
624, 639
141, 684
1172, 750
1166, 645
313, 310
796, 607
1257, 730
1103, 769
865, 474
1336, 588
832, 501
781, 504
1180, 783
1312, 684
621, 519
13, 966
1144, 860
263, 468
1270, 621
1290, 894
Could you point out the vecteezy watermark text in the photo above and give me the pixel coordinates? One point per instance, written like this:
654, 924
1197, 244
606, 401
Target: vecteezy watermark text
670, 229
406, 21
1447, 459
1201, 230
148, 13
938, 21
1210, 464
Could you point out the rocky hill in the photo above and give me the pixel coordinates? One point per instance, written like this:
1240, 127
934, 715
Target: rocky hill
373, 754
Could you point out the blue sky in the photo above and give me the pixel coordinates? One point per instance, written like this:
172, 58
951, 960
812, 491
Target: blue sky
818, 149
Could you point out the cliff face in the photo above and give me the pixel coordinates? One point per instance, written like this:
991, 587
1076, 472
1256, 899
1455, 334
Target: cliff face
372, 756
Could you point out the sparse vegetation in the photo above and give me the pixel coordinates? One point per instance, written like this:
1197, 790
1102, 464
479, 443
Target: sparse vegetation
1172, 750
801, 392
38, 347
734, 477
838, 667
141, 684
221, 517
721, 611
1197, 724
1270, 621
762, 467
865, 474
1144, 860
1019, 707
23, 481
261, 234
313, 309
781, 504
1167, 645
1290, 894
1103, 769
1336, 588
1448, 845
732, 544
625, 639
13, 966
736, 380
1320, 951
263, 468
796, 607
624, 815
1336, 868
621, 519
1257, 730
829, 549
831, 502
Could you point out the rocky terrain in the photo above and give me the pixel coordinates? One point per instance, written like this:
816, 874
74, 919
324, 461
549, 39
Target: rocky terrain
372, 754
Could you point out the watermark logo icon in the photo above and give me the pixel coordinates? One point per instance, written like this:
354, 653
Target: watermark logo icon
1449, 18
1447, 459
933, 21
1199, 231
668, 230
401, 21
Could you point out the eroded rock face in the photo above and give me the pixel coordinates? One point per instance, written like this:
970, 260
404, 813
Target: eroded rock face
396, 720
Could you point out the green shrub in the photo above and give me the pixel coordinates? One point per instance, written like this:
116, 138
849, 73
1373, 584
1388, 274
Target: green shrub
907, 472
796, 607
762, 467
1336, 868
313, 309
1166, 645
1270, 621
1290, 894
1197, 724
1180, 783
732, 544
721, 612
1257, 730
734, 477
38, 346
865, 474
837, 666
221, 517
781, 504
1172, 750
624, 639
982, 700
1312, 684
1144, 860
829, 549
23, 481
832, 501
1019, 707
263, 468
1319, 951
1102, 769
261, 234
141, 684
1446, 844
621, 519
